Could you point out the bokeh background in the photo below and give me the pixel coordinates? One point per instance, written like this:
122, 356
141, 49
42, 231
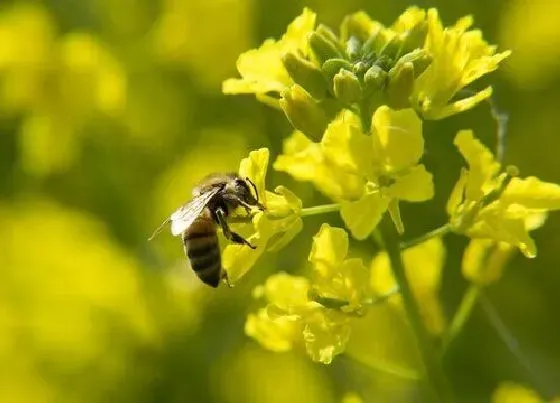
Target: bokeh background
111, 110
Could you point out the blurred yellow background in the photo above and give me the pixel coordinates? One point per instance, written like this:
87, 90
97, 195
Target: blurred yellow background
110, 111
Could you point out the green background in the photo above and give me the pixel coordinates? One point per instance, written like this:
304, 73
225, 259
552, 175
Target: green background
111, 110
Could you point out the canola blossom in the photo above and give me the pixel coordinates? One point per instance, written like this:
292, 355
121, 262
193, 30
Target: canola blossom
357, 99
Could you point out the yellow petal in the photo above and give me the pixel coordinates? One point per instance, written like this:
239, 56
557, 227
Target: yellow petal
532, 193
254, 167
462, 105
414, 186
398, 137
484, 260
509, 392
506, 225
362, 216
345, 145
330, 246
287, 292
482, 165
275, 334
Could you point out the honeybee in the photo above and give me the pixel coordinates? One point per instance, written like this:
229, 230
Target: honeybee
214, 198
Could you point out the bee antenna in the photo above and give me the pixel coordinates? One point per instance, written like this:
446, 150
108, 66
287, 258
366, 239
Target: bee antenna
158, 229
254, 187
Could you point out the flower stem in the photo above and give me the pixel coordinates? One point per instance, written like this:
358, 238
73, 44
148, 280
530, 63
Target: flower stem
440, 231
463, 313
322, 209
433, 370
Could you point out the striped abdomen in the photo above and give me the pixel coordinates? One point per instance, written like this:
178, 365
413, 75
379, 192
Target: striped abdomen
203, 250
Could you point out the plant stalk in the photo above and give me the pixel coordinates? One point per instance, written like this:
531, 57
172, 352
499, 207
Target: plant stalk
432, 366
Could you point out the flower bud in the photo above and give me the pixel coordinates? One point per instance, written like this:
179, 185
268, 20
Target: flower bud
323, 47
353, 48
328, 33
303, 112
333, 66
419, 58
401, 85
347, 87
375, 80
414, 38
306, 74
391, 49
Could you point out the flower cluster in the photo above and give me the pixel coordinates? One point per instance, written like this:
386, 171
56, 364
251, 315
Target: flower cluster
357, 100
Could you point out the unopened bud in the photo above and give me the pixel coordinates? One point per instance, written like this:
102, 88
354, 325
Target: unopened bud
375, 80
333, 66
401, 85
392, 48
323, 47
420, 58
306, 74
414, 38
303, 112
347, 87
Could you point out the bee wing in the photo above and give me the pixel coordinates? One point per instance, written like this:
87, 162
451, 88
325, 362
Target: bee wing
182, 219
185, 215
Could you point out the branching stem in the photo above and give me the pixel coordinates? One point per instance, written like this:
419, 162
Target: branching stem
433, 370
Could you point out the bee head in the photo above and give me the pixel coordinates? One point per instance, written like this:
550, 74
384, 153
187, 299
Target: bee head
246, 191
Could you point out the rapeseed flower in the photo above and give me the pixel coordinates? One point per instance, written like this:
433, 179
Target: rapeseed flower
488, 204
269, 230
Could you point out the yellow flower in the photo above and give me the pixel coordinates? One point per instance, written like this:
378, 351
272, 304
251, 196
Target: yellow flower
484, 260
423, 264
291, 318
305, 161
387, 162
269, 230
335, 277
368, 174
262, 70
509, 392
485, 204
459, 57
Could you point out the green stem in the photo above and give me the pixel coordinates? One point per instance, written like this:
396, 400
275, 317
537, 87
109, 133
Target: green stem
462, 315
385, 367
440, 231
431, 361
322, 209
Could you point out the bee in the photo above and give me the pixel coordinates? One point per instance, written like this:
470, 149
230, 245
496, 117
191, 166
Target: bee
214, 198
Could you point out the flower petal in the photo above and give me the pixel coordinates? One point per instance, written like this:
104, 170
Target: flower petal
325, 334
254, 167
398, 137
532, 193
415, 186
275, 334
482, 165
329, 248
362, 216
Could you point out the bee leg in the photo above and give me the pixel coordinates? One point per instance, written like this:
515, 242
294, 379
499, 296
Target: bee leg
228, 233
225, 279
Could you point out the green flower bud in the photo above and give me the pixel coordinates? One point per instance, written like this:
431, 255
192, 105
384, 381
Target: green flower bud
401, 85
303, 112
420, 58
328, 33
323, 48
391, 49
333, 66
306, 74
375, 79
414, 38
353, 48
347, 87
